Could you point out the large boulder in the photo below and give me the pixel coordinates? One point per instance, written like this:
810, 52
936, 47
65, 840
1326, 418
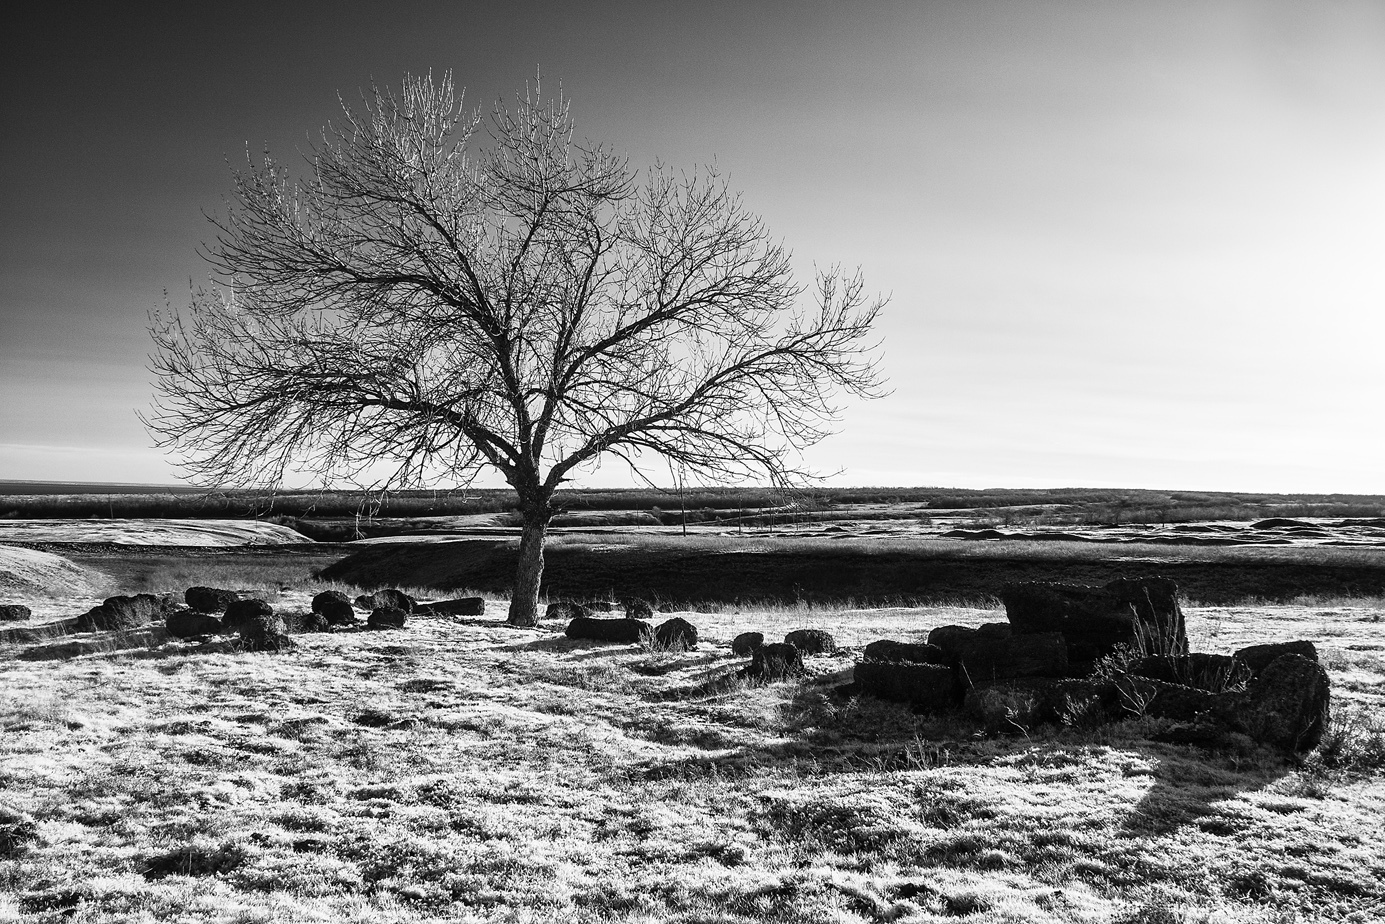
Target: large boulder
387, 617
188, 623
992, 652
636, 608
1259, 657
1288, 705
463, 606
1142, 614
812, 641
619, 631
263, 632
242, 612
1018, 705
777, 661
929, 686
14, 612
209, 599
125, 612
676, 634
890, 650
747, 642
390, 596
335, 607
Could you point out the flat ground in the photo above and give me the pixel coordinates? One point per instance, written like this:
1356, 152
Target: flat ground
462, 770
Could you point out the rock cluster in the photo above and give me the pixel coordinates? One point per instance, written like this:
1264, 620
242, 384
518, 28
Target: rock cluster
125, 612
1075, 654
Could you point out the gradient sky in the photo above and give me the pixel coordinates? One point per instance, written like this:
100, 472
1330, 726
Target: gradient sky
1135, 245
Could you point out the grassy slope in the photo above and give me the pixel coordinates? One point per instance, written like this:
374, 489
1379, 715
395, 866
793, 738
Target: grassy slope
879, 570
516, 776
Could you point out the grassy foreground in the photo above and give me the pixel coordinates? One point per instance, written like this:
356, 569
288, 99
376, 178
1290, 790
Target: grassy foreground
466, 771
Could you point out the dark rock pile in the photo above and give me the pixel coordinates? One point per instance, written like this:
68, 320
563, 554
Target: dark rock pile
390, 596
335, 607
125, 612
209, 599
619, 631
1073, 654
463, 606
676, 634
387, 617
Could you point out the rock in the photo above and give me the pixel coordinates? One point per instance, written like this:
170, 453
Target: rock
241, 612
189, 623
262, 631
306, 622
464, 606
209, 599
1020, 704
122, 612
1288, 705
812, 641
336, 607
747, 642
566, 609
1259, 657
14, 612
636, 608
387, 617
390, 596
1142, 614
1211, 672
676, 634
991, 652
908, 652
17, 832
777, 661
930, 686
623, 631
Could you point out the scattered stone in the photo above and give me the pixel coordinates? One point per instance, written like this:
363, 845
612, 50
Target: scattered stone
209, 599
636, 608
17, 832
909, 652
930, 686
1288, 704
777, 661
1142, 614
194, 861
242, 612
567, 609
122, 612
263, 632
463, 606
1259, 657
812, 641
336, 606
676, 634
14, 612
387, 617
307, 622
375, 718
992, 652
189, 623
390, 596
747, 642
624, 631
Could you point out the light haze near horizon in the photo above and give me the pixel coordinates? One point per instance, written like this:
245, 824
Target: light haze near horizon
1126, 245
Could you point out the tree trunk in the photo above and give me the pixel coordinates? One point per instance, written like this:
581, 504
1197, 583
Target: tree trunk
524, 600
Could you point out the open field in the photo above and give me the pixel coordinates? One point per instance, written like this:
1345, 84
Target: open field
462, 770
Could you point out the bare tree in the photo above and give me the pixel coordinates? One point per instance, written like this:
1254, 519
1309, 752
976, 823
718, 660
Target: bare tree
445, 299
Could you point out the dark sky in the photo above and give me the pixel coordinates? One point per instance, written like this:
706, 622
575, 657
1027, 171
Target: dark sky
1131, 244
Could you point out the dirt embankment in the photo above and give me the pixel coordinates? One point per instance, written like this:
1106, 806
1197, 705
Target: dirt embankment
30, 572
824, 574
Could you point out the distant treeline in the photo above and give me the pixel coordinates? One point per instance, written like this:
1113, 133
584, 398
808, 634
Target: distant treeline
1055, 506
